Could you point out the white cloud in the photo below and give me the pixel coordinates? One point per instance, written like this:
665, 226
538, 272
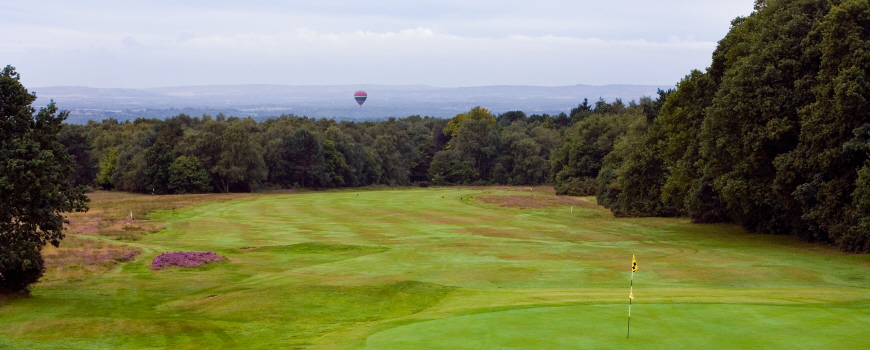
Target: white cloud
451, 43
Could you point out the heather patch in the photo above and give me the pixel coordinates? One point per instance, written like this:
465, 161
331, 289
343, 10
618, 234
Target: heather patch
184, 259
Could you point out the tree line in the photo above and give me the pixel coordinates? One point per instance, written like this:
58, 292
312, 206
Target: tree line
186, 154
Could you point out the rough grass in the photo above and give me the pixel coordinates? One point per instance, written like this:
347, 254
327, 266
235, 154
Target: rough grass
124, 216
79, 256
437, 268
547, 190
535, 202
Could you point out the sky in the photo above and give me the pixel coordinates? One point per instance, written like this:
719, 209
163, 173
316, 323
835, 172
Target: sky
448, 43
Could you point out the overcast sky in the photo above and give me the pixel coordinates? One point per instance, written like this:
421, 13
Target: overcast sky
446, 43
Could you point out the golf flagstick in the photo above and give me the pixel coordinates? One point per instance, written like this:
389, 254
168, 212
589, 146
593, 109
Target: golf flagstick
631, 294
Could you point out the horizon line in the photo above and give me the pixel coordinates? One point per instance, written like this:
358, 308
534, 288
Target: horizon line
345, 85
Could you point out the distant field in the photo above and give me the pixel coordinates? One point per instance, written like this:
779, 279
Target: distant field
456, 268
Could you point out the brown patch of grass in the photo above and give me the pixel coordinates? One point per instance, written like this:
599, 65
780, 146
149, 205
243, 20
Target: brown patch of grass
534, 201
527, 189
77, 257
110, 212
127, 229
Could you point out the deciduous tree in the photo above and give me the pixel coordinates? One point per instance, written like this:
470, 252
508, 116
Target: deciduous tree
35, 187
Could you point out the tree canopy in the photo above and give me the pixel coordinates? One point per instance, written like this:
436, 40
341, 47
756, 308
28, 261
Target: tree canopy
241, 154
772, 136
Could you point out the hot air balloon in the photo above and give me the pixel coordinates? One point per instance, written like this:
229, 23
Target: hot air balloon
360, 97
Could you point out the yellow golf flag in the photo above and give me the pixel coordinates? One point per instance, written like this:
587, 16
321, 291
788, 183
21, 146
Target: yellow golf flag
633, 264
630, 295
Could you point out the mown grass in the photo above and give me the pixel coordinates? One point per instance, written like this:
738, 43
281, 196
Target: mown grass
440, 268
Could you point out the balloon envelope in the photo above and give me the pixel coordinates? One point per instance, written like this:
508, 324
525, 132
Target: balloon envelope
360, 97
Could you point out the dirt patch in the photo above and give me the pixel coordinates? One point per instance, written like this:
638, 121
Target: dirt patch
534, 201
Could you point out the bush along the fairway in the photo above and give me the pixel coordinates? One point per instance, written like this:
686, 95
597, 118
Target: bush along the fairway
184, 259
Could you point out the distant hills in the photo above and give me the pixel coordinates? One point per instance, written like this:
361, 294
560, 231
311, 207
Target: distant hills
325, 101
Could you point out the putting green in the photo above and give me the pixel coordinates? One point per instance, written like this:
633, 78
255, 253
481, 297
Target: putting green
439, 269
689, 326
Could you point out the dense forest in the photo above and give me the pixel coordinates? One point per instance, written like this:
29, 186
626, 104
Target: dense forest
774, 136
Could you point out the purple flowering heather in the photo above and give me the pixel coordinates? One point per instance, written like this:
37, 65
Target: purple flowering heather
184, 259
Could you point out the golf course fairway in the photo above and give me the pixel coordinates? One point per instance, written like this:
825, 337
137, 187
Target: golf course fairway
442, 268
